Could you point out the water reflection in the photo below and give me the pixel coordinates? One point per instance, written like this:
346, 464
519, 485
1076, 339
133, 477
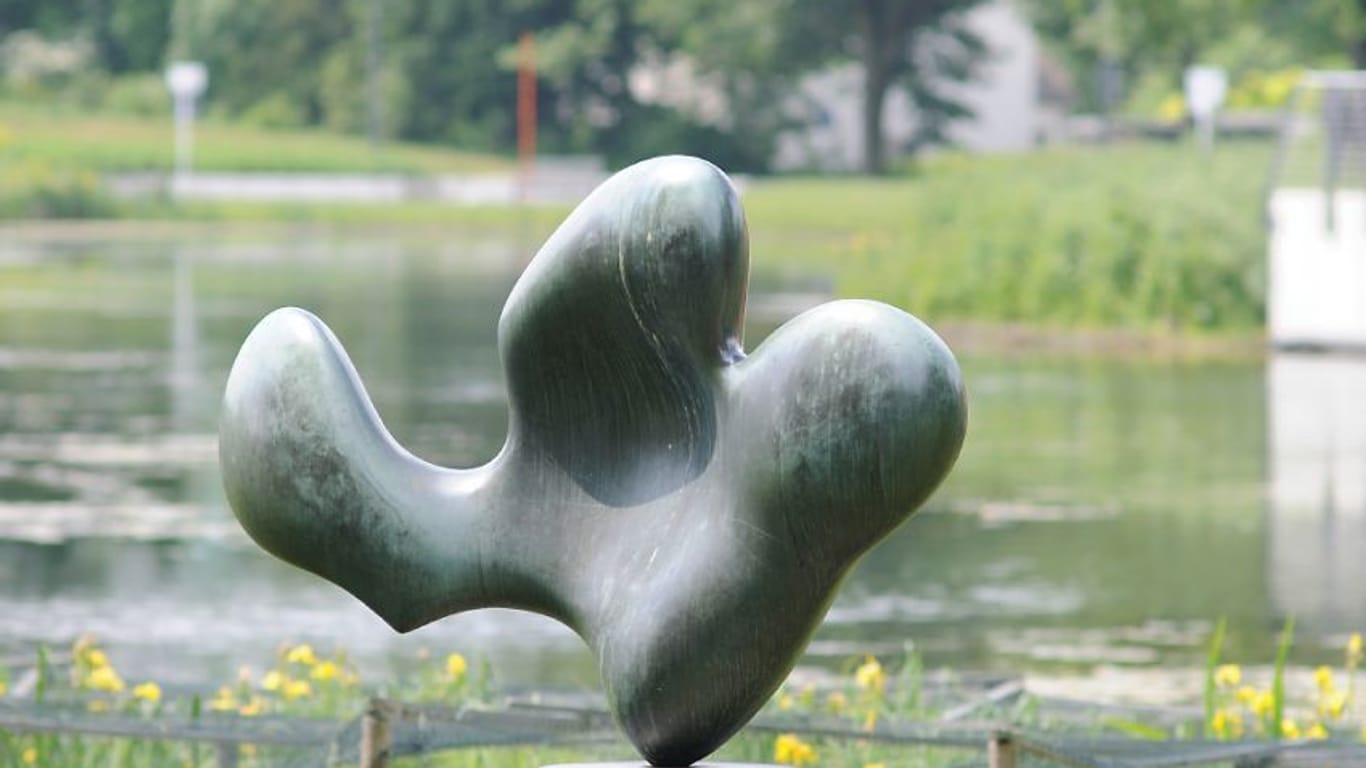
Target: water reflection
1318, 488
1102, 511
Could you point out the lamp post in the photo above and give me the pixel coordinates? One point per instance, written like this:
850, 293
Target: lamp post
1205, 89
186, 80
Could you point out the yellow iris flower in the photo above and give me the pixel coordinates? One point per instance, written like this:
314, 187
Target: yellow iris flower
325, 671
870, 676
302, 654
105, 679
790, 750
297, 689
147, 692
456, 666
273, 681
1228, 675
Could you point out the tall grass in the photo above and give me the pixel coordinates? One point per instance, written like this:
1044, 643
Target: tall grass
1157, 237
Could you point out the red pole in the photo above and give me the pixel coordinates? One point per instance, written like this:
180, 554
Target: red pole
526, 111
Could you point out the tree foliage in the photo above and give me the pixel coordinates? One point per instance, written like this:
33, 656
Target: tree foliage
628, 78
1156, 40
444, 71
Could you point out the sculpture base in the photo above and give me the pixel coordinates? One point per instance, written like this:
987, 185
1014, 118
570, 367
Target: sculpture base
643, 764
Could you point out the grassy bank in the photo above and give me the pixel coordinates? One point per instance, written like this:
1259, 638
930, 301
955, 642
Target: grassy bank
1148, 237
1159, 239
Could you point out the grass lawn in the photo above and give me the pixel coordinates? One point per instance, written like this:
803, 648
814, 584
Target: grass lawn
65, 138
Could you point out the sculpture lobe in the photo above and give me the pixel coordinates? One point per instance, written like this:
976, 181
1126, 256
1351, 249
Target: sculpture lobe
688, 511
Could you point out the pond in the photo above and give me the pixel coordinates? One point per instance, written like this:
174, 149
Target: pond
1104, 511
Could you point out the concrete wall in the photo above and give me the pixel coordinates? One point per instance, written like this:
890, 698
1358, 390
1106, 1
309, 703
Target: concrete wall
559, 180
1317, 486
1317, 274
1006, 101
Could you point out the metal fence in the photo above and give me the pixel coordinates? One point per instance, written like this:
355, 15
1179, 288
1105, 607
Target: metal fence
1322, 141
389, 730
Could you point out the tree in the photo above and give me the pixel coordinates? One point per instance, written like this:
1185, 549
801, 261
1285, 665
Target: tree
267, 57
1318, 26
924, 46
446, 55
1156, 41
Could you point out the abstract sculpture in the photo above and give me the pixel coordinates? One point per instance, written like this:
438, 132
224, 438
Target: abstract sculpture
687, 510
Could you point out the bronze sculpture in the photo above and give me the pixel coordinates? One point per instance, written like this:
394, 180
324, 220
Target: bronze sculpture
687, 509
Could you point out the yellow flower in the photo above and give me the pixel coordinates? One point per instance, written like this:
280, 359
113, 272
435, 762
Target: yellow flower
96, 658
1354, 648
456, 666
1290, 729
874, 765
1235, 725
1171, 109
147, 692
870, 675
836, 703
30, 756
1316, 732
251, 708
273, 681
1323, 678
1333, 704
82, 645
3, 688
785, 702
325, 671
297, 689
1219, 723
1227, 724
790, 750
301, 654
1227, 675
1245, 695
870, 720
224, 701
105, 679
1263, 703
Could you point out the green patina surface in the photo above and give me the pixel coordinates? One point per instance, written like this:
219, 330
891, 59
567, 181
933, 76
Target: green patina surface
687, 509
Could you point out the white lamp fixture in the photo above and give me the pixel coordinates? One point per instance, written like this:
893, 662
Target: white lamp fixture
1205, 88
186, 81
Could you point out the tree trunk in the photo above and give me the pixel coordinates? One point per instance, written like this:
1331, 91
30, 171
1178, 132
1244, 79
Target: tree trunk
1358, 46
875, 84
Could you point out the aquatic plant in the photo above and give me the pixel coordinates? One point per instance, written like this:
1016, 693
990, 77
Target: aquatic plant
1235, 708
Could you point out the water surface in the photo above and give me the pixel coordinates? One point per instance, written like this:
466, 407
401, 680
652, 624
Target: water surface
1103, 511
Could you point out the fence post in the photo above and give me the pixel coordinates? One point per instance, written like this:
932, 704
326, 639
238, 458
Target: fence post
376, 739
1001, 751
227, 754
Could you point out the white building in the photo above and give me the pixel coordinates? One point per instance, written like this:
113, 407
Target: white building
1014, 106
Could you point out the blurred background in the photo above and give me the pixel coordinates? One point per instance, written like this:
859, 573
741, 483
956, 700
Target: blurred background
1140, 225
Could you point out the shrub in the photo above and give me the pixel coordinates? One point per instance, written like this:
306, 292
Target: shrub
37, 190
